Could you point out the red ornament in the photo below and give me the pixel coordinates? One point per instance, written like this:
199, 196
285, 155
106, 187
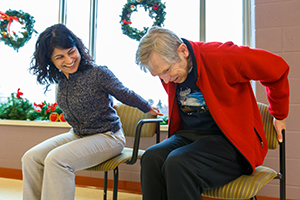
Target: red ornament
54, 117
155, 7
61, 117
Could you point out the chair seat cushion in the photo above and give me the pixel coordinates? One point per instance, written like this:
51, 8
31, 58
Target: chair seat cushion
244, 187
112, 163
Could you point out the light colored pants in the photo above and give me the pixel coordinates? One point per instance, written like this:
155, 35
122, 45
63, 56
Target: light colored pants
48, 168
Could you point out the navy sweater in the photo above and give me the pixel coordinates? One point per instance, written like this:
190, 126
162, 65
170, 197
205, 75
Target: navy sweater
87, 104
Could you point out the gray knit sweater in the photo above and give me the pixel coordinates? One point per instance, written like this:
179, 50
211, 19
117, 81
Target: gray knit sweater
87, 104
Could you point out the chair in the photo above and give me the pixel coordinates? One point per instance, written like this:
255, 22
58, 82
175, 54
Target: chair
247, 186
135, 124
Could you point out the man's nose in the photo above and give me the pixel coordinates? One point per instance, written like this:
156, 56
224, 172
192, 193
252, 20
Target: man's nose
165, 77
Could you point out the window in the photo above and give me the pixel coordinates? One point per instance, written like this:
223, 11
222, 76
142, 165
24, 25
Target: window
117, 51
77, 19
224, 21
14, 65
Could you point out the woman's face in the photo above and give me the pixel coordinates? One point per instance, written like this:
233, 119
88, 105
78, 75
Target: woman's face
67, 60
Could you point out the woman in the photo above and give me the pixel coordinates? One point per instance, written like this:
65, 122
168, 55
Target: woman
85, 95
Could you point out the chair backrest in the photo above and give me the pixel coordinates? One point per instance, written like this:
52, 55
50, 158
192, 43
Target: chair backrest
130, 116
269, 128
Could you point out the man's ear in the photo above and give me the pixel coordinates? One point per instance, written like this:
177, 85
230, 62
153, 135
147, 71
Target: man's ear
182, 49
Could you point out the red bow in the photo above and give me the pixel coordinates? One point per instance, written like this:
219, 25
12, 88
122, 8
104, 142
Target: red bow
10, 19
19, 94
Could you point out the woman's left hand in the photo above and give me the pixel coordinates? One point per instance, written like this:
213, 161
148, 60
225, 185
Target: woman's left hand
155, 111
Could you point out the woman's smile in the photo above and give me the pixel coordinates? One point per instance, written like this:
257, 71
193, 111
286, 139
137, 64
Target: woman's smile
70, 64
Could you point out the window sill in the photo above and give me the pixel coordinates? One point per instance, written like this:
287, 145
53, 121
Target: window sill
48, 124
34, 123
163, 127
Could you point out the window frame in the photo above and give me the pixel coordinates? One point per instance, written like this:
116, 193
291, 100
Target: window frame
248, 22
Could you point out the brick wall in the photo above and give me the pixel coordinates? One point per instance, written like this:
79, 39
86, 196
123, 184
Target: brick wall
277, 26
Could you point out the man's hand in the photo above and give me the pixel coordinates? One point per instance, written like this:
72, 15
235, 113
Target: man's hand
279, 126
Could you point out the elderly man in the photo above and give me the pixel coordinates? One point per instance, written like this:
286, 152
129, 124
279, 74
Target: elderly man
215, 129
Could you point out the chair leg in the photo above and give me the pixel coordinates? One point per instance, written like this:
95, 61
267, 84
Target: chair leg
105, 186
116, 178
282, 158
282, 189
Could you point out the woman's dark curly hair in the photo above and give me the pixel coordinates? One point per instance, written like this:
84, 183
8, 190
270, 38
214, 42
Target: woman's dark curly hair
56, 36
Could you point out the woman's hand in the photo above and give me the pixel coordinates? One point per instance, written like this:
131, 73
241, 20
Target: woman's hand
279, 126
155, 111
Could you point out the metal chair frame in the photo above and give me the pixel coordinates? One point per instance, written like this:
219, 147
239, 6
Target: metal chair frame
281, 173
282, 169
134, 155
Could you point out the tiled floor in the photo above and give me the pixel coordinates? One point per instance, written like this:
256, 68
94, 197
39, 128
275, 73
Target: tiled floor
11, 189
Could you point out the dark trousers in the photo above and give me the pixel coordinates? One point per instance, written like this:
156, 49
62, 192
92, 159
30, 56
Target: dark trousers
180, 168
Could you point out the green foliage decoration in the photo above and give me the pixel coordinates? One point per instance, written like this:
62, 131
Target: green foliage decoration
156, 12
165, 120
16, 108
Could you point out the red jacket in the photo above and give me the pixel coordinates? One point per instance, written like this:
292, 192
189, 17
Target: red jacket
224, 74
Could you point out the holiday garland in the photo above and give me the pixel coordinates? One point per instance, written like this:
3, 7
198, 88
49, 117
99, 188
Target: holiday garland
19, 108
11, 38
156, 12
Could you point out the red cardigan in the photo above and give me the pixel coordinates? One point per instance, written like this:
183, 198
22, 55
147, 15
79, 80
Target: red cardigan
224, 74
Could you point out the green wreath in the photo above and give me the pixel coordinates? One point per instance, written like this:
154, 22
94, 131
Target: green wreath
156, 12
11, 38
